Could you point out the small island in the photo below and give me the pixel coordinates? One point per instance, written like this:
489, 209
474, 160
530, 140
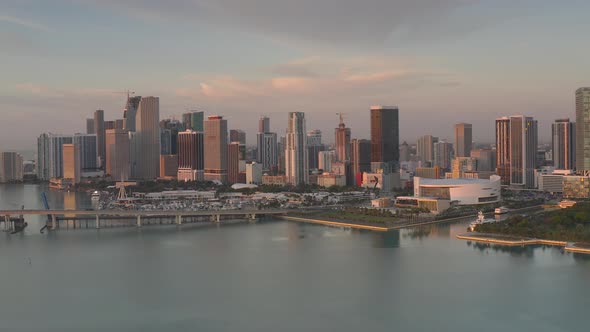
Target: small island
570, 225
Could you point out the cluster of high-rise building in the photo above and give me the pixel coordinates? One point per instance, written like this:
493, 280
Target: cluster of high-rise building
141, 146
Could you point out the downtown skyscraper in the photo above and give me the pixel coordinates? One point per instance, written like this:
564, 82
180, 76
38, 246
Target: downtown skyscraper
443, 154
296, 163
130, 112
342, 136
99, 130
237, 135
50, 155
425, 149
117, 162
267, 146
146, 159
523, 151
11, 167
360, 158
463, 139
194, 120
563, 141
314, 146
71, 162
385, 135
88, 153
191, 156
583, 129
215, 149
503, 149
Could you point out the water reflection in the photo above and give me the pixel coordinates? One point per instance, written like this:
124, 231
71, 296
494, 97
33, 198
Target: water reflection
581, 257
527, 251
418, 232
390, 239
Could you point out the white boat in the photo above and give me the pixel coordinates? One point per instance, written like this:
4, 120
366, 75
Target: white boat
566, 204
501, 210
95, 195
481, 219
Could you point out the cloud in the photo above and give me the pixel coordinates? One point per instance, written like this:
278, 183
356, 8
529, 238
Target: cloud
347, 23
304, 67
24, 23
373, 77
360, 76
292, 84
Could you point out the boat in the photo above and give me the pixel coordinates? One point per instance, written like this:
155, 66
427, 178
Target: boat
481, 219
501, 210
566, 204
95, 195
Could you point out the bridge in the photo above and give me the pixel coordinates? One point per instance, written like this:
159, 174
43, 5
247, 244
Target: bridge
10, 217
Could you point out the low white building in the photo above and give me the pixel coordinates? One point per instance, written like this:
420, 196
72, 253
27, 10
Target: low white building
188, 174
461, 191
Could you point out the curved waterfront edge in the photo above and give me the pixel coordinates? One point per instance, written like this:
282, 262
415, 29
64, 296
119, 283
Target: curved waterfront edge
582, 248
366, 226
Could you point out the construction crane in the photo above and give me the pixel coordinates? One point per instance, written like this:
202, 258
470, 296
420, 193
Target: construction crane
341, 117
127, 92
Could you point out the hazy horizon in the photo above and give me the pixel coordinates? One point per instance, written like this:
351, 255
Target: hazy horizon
440, 62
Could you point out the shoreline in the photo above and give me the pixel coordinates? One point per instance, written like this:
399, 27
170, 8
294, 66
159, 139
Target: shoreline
507, 240
359, 225
383, 228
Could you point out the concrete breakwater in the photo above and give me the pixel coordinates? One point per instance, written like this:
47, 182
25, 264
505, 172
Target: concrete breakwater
336, 223
513, 241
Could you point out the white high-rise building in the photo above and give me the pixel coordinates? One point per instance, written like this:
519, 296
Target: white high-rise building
296, 163
425, 148
147, 128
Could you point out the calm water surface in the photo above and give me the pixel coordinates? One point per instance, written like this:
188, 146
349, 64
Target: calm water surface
279, 276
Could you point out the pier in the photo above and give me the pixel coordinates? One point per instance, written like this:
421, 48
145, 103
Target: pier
59, 219
507, 240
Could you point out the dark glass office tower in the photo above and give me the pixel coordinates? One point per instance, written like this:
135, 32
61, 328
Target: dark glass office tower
385, 135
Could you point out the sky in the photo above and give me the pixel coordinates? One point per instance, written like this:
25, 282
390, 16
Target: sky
440, 61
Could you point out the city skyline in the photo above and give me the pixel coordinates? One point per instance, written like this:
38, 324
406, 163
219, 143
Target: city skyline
341, 68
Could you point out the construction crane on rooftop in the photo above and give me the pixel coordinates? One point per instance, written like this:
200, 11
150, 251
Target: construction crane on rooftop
125, 92
341, 117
